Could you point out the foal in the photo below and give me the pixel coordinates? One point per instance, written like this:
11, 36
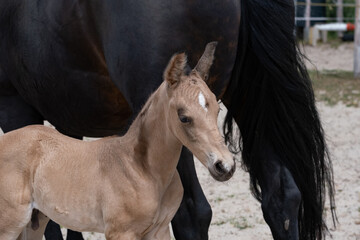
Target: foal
126, 187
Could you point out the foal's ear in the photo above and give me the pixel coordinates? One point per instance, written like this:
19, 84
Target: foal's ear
175, 69
206, 60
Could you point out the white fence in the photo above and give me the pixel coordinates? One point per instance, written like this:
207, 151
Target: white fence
339, 19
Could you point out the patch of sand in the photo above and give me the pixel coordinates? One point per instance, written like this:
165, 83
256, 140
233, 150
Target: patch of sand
327, 57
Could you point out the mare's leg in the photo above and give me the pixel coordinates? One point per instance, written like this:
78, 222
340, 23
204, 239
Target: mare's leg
280, 197
193, 218
53, 231
73, 235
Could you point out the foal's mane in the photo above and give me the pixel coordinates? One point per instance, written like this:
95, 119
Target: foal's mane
144, 110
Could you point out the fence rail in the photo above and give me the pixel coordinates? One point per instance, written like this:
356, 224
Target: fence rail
320, 18
328, 4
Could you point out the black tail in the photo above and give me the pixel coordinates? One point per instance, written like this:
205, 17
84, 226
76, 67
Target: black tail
272, 101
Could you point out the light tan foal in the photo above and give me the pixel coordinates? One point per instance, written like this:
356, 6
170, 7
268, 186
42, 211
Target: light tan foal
126, 187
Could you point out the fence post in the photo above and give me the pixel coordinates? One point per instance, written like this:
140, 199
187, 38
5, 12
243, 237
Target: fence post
357, 41
340, 15
307, 21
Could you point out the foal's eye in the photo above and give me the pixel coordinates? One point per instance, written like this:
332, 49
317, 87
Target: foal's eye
184, 119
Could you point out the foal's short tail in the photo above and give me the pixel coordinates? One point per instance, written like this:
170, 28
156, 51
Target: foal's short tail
273, 102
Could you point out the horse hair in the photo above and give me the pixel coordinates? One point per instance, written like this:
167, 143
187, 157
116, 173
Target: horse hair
276, 105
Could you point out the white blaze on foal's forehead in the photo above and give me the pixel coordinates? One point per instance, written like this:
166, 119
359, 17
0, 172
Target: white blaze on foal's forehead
202, 101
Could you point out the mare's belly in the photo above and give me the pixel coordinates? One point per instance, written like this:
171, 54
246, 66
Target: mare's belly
95, 108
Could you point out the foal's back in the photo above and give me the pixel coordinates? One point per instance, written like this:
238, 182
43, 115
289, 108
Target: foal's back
37, 145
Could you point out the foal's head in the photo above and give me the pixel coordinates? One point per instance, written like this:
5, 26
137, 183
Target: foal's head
192, 113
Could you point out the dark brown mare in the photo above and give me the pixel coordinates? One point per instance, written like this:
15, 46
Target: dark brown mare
80, 65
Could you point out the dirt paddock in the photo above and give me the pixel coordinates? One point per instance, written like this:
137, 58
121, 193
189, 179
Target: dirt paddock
236, 214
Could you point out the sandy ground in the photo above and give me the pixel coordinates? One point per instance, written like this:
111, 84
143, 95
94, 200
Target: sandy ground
237, 215
330, 57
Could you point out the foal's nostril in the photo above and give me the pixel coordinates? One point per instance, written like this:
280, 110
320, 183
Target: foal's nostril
221, 171
220, 167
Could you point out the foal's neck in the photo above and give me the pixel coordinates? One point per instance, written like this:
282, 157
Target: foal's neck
155, 146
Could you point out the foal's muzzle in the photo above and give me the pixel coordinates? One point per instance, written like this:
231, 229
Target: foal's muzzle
222, 171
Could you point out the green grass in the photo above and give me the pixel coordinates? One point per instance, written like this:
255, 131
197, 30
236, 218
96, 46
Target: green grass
336, 86
219, 223
219, 199
239, 223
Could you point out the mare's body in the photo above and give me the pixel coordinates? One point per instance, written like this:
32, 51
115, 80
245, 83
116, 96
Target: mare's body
80, 65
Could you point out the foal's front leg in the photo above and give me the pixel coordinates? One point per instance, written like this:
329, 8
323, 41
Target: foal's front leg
169, 205
193, 218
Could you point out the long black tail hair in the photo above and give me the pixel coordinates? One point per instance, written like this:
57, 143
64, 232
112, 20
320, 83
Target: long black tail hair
272, 101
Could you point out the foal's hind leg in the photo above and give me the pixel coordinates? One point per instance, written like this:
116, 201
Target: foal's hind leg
13, 219
193, 218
